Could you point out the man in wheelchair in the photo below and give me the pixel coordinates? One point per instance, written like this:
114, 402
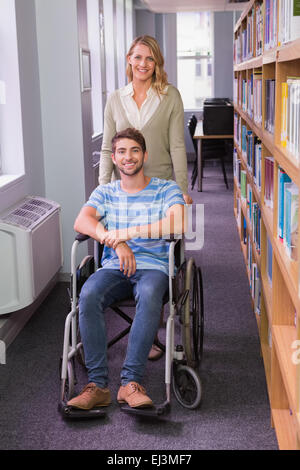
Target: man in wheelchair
132, 217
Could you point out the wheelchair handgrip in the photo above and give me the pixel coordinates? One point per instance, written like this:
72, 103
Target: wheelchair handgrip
80, 237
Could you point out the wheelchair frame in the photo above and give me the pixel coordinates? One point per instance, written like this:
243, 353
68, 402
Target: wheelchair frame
181, 361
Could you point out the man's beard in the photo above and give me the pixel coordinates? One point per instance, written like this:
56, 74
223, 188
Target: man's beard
137, 169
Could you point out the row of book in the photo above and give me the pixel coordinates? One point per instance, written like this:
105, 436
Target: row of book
250, 99
253, 209
290, 116
254, 216
287, 220
288, 203
253, 272
259, 25
289, 21
270, 24
248, 94
251, 150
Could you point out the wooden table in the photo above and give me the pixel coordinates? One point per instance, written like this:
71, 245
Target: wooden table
200, 137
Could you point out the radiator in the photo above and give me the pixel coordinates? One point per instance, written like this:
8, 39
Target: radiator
30, 251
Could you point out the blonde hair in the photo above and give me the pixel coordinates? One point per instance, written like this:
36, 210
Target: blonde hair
159, 78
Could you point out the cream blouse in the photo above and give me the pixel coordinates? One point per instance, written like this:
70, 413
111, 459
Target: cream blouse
139, 117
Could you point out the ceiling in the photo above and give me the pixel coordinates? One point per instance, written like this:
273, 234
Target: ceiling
172, 6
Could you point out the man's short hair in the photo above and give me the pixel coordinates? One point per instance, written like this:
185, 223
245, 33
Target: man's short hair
129, 133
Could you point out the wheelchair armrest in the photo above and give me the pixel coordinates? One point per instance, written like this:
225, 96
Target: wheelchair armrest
173, 239
80, 237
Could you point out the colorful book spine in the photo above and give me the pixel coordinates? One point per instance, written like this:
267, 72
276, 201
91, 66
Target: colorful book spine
292, 119
257, 163
269, 260
269, 181
270, 105
291, 219
257, 97
283, 178
243, 185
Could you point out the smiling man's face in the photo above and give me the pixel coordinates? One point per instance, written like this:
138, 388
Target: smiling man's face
129, 157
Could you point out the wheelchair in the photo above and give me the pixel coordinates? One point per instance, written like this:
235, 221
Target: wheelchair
182, 360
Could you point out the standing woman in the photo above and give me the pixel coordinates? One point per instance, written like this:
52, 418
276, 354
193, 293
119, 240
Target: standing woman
154, 107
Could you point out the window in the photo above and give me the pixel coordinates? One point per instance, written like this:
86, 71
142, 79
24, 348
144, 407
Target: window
94, 31
121, 42
110, 52
128, 23
11, 131
194, 57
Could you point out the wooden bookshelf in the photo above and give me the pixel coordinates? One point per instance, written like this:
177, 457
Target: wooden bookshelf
278, 315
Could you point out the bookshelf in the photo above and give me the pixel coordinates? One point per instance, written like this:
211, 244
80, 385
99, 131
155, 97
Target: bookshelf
266, 194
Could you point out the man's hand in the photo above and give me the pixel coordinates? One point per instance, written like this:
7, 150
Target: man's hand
127, 259
112, 238
187, 199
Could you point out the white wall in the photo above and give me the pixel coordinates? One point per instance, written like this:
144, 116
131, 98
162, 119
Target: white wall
59, 71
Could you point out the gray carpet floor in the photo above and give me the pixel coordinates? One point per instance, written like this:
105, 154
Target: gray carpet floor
234, 413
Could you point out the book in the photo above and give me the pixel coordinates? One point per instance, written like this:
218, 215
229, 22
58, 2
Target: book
243, 185
284, 96
259, 27
283, 178
270, 24
255, 288
291, 219
269, 260
270, 105
257, 96
292, 89
269, 181
257, 163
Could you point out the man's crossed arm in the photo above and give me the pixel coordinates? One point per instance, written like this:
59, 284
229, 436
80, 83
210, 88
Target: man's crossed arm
88, 223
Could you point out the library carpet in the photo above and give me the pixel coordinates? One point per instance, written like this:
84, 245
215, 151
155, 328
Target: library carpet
234, 413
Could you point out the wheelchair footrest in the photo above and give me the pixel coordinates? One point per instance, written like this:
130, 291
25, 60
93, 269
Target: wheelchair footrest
74, 413
154, 411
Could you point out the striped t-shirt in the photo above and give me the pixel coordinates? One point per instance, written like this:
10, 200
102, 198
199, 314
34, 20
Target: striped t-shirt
119, 209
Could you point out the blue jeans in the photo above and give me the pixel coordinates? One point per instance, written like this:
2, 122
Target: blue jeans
104, 288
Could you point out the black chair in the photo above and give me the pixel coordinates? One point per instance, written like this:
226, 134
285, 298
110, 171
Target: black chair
211, 150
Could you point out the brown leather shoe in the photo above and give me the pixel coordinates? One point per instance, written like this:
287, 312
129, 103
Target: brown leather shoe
155, 353
91, 396
134, 394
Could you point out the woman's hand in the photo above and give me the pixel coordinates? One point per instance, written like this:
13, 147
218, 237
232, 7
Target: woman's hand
187, 199
112, 238
127, 259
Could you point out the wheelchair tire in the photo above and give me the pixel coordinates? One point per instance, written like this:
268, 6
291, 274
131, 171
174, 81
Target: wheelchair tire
193, 324
70, 381
187, 386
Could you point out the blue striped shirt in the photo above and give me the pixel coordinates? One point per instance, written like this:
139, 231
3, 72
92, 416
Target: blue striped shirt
118, 209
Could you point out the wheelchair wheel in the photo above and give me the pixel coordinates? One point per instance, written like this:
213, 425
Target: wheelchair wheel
193, 325
70, 381
187, 386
